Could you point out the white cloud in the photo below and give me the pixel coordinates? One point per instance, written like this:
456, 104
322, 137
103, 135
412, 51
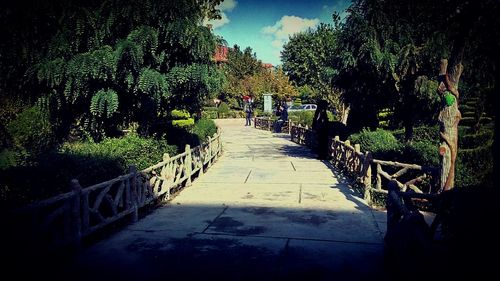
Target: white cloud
289, 25
286, 26
228, 6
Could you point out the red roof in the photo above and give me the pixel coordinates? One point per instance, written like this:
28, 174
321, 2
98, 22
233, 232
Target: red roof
220, 53
267, 65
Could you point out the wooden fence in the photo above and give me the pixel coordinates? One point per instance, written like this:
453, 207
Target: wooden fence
266, 123
372, 174
67, 218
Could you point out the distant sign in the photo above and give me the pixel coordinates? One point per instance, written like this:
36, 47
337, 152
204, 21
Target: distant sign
268, 102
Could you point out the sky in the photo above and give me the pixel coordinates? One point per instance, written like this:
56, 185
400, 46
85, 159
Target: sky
266, 25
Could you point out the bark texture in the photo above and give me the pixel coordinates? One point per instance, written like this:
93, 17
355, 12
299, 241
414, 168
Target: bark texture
449, 117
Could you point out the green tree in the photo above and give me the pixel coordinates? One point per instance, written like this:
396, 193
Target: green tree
103, 65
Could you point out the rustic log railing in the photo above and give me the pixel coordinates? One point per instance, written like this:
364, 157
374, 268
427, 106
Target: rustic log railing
267, 123
359, 165
67, 218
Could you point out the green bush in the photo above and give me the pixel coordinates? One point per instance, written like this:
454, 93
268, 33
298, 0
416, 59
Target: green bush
31, 132
426, 133
209, 114
381, 143
8, 158
204, 128
184, 123
223, 110
177, 114
305, 118
129, 150
468, 141
88, 162
421, 153
474, 166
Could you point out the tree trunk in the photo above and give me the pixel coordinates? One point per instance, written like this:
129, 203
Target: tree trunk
345, 113
449, 117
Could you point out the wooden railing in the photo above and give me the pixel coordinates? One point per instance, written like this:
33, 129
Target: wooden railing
360, 167
67, 218
266, 123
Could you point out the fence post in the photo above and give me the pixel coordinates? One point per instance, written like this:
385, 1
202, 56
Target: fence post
209, 156
367, 177
188, 164
219, 144
164, 174
357, 148
76, 220
379, 178
356, 164
133, 193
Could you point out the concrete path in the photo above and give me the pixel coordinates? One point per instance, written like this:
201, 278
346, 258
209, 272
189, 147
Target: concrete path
267, 210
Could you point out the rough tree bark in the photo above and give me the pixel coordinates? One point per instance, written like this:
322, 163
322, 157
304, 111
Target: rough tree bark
345, 113
449, 116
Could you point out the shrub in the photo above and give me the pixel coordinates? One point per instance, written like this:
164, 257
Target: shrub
31, 132
177, 114
474, 166
422, 153
425, 133
88, 162
8, 158
204, 128
468, 141
185, 123
223, 109
305, 118
130, 150
209, 112
381, 143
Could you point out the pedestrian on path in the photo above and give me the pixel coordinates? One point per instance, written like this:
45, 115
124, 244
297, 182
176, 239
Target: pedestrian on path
248, 108
282, 119
320, 126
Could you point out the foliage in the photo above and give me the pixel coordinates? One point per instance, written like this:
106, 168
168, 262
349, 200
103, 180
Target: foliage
381, 143
474, 166
304, 117
88, 162
422, 153
183, 123
204, 128
31, 132
209, 113
104, 103
468, 141
130, 150
177, 114
247, 76
222, 110
112, 63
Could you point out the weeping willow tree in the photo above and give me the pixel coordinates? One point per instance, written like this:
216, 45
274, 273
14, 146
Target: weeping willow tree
107, 64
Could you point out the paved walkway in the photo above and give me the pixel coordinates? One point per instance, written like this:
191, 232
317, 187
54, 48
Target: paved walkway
267, 210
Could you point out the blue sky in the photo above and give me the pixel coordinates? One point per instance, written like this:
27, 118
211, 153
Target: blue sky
266, 25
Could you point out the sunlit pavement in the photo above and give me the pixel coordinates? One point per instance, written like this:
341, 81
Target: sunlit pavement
267, 210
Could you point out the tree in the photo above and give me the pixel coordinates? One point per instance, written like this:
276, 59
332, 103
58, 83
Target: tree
103, 65
308, 61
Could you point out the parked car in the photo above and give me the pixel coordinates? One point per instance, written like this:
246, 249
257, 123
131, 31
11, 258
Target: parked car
295, 108
310, 106
302, 107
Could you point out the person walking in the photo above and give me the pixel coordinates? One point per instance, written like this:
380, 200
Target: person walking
282, 119
320, 126
248, 111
